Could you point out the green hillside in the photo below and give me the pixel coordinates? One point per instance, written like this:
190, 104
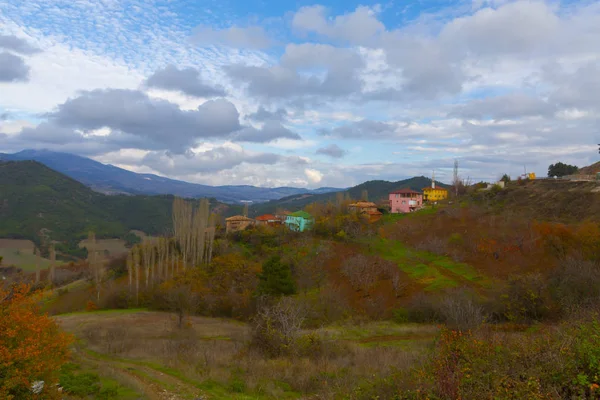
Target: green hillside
377, 190
35, 198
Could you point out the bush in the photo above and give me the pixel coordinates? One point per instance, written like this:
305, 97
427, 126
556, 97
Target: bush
422, 308
78, 383
526, 299
552, 363
574, 284
459, 310
276, 327
456, 239
32, 347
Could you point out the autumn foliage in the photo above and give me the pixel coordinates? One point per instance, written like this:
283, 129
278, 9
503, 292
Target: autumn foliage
32, 347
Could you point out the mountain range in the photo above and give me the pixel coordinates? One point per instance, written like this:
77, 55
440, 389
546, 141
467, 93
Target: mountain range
108, 179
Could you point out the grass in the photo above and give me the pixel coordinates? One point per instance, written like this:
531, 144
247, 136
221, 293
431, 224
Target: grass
432, 271
212, 357
120, 311
112, 246
23, 259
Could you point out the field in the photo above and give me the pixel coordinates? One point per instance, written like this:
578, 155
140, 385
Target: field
110, 247
432, 271
20, 254
209, 359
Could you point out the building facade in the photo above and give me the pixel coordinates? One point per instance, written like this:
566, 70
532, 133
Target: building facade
434, 194
238, 223
299, 221
268, 220
405, 201
366, 209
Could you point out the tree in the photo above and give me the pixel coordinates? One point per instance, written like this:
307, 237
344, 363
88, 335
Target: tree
32, 347
276, 278
505, 178
560, 169
182, 300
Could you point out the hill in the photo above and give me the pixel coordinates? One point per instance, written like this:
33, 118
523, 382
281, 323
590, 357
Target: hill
35, 198
378, 191
108, 179
590, 169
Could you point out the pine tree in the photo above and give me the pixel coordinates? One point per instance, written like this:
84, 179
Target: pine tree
276, 278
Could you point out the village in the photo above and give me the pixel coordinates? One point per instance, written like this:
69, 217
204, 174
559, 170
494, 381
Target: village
400, 201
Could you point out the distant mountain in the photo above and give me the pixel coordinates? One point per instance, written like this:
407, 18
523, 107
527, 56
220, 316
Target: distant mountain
108, 179
34, 197
377, 190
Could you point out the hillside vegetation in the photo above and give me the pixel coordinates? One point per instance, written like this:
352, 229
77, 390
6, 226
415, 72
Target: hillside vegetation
35, 198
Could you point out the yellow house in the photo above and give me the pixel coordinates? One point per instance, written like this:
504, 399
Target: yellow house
434, 194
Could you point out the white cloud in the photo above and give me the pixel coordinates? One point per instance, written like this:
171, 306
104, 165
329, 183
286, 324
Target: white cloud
313, 175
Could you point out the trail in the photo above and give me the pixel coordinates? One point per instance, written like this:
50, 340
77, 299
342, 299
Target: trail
154, 384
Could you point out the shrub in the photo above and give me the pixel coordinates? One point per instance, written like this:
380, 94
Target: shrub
551, 363
276, 327
32, 347
459, 310
526, 299
456, 239
422, 308
574, 284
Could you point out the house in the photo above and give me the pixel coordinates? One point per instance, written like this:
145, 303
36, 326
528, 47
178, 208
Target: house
362, 206
366, 209
433, 194
405, 201
268, 220
299, 221
238, 223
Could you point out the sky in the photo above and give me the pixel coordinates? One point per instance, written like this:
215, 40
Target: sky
280, 93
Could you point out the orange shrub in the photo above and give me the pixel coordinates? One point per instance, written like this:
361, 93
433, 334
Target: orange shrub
32, 347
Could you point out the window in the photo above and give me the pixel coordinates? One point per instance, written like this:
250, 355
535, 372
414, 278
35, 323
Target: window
396, 196
403, 201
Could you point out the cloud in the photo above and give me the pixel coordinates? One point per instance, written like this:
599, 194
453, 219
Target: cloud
16, 44
313, 175
364, 129
270, 131
186, 80
263, 114
133, 112
333, 150
13, 68
216, 159
522, 28
49, 133
252, 37
357, 27
338, 73
508, 106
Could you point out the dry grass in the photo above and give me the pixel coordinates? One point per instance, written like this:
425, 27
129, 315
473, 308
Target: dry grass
215, 353
114, 247
25, 246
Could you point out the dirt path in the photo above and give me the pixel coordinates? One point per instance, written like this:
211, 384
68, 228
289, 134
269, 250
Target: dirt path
154, 384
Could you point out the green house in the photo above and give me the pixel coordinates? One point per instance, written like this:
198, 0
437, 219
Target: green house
299, 221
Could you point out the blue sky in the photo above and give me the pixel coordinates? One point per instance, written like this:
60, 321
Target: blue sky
277, 93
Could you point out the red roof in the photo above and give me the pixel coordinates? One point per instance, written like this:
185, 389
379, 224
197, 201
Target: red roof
405, 191
266, 217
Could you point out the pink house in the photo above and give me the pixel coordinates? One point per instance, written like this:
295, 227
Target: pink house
405, 201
